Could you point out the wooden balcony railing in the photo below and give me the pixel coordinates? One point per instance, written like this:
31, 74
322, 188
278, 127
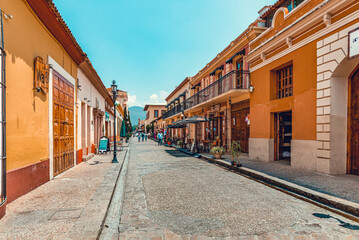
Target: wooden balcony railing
232, 80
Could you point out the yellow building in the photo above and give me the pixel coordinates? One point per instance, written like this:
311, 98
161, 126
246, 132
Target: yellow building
42, 59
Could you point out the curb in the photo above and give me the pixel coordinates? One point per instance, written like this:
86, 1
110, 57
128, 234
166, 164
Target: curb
335, 202
111, 220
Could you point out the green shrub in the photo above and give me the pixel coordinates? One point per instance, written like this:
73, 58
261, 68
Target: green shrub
219, 150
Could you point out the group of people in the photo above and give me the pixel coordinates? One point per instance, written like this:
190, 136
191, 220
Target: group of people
142, 136
157, 135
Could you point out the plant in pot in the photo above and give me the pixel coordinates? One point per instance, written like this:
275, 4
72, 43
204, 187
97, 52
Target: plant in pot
179, 143
236, 151
217, 140
217, 152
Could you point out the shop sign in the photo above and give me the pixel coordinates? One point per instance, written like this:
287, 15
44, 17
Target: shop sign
353, 50
41, 78
107, 116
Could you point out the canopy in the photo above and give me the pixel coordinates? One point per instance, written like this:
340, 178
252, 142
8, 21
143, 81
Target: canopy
123, 129
243, 52
176, 126
191, 120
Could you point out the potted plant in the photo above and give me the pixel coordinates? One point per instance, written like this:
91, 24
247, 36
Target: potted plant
217, 152
179, 143
236, 151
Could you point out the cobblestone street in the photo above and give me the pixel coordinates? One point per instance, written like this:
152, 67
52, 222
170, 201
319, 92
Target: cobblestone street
170, 195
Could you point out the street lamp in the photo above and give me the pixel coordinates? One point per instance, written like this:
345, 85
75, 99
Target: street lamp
114, 95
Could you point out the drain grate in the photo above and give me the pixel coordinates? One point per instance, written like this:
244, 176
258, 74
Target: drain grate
66, 214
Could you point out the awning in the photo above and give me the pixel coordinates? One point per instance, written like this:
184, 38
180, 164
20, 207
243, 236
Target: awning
194, 119
214, 71
243, 52
182, 95
177, 126
191, 120
197, 85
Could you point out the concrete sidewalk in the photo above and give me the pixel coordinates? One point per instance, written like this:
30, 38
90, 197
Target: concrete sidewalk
71, 206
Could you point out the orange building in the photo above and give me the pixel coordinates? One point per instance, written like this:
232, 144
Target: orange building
299, 103
220, 92
303, 107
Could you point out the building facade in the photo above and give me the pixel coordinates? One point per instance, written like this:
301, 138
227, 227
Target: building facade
303, 107
153, 112
45, 111
285, 88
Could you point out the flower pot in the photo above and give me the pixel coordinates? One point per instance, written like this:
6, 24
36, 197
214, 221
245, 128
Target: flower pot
239, 164
217, 155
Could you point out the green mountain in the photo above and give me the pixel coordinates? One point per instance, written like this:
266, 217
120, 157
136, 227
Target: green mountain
135, 113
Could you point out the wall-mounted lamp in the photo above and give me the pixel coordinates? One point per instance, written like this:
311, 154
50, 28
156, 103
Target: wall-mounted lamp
230, 101
7, 15
251, 88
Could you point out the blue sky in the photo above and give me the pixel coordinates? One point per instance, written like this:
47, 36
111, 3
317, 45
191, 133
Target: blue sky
150, 46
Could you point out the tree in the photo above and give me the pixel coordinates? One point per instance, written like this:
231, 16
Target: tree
127, 120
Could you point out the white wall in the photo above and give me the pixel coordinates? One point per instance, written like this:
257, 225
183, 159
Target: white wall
88, 95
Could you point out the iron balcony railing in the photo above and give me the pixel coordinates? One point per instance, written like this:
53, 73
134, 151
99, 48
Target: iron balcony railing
236, 79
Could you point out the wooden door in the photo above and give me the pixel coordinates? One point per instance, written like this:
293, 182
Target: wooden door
240, 128
63, 122
283, 135
353, 160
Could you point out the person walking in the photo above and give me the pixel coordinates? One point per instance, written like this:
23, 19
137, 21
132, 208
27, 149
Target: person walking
139, 136
146, 135
143, 136
159, 136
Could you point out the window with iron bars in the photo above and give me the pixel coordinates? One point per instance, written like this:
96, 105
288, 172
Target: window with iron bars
284, 77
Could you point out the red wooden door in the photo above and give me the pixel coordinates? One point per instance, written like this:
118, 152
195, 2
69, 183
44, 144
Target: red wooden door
353, 165
63, 122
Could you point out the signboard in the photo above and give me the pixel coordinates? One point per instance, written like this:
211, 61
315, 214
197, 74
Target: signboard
353, 50
103, 145
107, 116
41, 78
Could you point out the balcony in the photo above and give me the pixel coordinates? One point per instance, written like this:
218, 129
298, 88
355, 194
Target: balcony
234, 80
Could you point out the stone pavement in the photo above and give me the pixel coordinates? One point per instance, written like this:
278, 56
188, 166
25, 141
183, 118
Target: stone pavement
342, 186
71, 206
170, 195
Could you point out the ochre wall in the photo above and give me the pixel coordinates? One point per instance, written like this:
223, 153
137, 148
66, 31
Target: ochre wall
302, 103
27, 110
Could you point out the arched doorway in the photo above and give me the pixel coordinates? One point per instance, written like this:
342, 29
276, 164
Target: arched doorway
353, 123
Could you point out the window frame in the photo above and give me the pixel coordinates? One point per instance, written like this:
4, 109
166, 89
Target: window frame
284, 79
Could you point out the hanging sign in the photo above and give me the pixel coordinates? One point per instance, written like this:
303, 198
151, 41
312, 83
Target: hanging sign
107, 116
353, 50
41, 79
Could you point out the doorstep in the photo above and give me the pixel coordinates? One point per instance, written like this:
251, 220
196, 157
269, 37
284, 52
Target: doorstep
88, 157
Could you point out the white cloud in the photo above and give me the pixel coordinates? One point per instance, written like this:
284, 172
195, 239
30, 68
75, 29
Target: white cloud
132, 100
154, 97
157, 98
